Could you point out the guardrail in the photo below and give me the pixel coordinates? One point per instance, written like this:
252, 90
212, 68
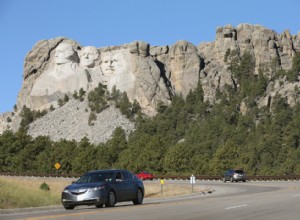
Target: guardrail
252, 178
171, 177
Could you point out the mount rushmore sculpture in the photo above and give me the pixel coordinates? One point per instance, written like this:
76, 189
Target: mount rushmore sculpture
65, 67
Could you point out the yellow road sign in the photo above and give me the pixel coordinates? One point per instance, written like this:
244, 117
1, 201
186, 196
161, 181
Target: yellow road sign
57, 166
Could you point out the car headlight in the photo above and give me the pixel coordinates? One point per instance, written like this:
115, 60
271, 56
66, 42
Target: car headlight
66, 191
96, 188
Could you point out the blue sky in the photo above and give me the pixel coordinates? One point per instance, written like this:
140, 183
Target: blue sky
115, 22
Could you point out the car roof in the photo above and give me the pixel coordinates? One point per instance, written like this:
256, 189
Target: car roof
234, 170
108, 170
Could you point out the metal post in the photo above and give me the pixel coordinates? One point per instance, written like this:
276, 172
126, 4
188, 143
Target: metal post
192, 180
192, 187
162, 182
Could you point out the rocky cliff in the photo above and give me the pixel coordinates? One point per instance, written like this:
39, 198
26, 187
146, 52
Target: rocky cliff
148, 74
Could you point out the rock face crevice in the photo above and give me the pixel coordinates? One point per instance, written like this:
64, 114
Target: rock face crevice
149, 74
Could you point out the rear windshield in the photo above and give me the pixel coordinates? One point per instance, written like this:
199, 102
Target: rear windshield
96, 177
239, 171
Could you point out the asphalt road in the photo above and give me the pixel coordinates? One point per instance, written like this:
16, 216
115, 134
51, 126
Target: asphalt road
238, 201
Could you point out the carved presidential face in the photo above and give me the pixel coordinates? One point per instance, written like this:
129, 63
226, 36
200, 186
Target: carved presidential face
64, 53
111, 63
88, 56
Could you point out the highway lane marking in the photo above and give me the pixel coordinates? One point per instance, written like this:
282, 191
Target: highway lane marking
101, 210
122, 208
67, 214
237, 206
80, 213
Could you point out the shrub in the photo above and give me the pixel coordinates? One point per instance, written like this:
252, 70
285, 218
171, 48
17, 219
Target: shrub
92, 117
8, 119
44, 186
60, 102
66, 98
81, 94
29, 116
75, 95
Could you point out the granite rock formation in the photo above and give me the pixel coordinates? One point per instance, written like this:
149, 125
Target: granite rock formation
150, 74
69, 67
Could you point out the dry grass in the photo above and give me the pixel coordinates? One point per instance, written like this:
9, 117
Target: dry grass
20, 192
155, 190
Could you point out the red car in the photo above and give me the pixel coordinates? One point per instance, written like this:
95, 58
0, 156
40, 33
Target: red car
145, 176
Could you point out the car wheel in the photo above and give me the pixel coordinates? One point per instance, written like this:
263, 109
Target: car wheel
139, 197
224, 179
69, 207
111, 199
99, 205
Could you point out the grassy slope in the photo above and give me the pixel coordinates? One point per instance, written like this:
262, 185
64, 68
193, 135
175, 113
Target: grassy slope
17, 195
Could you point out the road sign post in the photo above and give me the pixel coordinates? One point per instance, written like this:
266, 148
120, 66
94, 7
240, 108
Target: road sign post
192, 181
162, 182
57, 167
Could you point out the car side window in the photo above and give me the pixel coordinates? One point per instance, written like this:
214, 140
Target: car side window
126, 175
119, 177
135, 178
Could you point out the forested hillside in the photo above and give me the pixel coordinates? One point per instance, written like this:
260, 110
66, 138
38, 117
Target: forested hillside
188, 136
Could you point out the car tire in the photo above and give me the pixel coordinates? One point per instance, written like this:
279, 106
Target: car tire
139, 197
99, 205
111, 199
69, 207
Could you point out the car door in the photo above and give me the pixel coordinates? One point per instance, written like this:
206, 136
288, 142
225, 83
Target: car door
120, 187
227, 175
129, 185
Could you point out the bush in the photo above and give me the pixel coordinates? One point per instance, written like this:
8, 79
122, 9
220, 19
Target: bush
28, 116
81, 94
75, 95
92, 117
44, 186
60, 102
8, 119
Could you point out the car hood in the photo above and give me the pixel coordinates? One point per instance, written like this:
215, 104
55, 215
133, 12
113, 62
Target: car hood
80, 187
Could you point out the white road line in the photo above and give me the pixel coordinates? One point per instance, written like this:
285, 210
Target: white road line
235, 207
296, 195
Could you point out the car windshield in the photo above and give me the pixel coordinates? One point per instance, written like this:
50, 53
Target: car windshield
96, 177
